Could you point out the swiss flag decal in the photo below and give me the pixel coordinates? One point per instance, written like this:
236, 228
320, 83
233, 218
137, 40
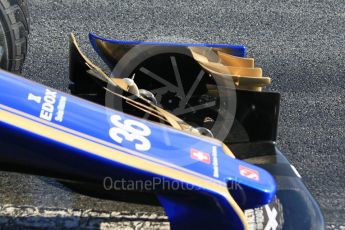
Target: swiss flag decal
249, 173
200, 156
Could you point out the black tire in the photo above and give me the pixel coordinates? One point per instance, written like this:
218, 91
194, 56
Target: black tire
14, 30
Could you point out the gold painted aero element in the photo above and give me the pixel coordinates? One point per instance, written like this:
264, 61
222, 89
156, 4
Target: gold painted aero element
221, 64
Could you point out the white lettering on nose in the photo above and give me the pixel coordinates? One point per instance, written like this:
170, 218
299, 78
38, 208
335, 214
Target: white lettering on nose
34, 98
48, 105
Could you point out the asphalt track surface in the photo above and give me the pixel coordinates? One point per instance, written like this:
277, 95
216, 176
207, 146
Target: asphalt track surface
300, 44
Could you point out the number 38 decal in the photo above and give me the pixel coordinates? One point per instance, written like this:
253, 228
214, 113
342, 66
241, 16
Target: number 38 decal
130, 130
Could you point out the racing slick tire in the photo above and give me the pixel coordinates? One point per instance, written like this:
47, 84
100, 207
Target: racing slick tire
14, 30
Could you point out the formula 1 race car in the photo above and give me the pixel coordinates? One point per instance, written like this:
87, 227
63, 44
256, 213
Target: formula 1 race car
186, 123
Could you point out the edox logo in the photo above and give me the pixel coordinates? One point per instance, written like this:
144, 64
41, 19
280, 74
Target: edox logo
34, 98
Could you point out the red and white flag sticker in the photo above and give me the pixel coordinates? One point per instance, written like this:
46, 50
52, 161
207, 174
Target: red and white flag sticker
200, 156
249, 173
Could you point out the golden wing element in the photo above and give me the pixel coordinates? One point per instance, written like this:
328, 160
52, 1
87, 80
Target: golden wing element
220, 64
